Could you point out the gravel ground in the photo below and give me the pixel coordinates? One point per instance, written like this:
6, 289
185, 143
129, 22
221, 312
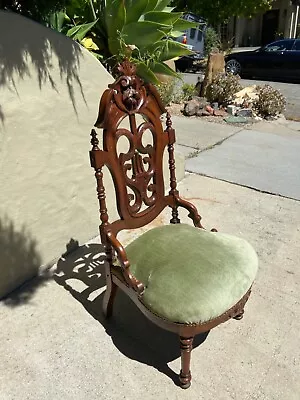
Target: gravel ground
176, 109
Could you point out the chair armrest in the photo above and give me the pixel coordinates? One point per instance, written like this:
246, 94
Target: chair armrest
125, 264
193, 212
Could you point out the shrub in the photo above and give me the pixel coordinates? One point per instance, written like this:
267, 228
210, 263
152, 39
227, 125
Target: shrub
270, 101
167, 91
223, 88
172, 91
212, 41
188, 91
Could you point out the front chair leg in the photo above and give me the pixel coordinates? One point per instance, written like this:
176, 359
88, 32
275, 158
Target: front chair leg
109, 297
186, 347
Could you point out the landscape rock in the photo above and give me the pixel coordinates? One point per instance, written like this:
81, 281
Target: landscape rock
247, 95
209, 109
191, 108
220, 113
236, 120
244, 112
231, 109
202, 102
270, 117
203, 113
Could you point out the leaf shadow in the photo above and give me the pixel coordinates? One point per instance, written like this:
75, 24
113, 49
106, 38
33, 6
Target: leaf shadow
31, 49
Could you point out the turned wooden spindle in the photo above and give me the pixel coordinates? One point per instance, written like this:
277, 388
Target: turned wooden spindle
173, 183
102, 203
94, 140
186, 347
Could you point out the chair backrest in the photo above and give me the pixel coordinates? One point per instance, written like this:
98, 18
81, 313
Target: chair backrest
137, 174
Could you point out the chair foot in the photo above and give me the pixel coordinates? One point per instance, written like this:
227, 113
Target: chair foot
186, 347
184, 381
239, 316
109, 297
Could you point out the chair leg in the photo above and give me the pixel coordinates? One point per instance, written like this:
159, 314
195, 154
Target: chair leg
239, 316
186, 347
109, 297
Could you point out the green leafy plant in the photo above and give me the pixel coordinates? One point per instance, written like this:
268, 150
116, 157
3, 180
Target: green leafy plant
188, 91
142, 31
223, 88
166, 91
212, 40
172, 91
39, 10
72, 21
270, 101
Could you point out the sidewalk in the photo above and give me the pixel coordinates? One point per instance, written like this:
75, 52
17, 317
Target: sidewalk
55, 343
263, 156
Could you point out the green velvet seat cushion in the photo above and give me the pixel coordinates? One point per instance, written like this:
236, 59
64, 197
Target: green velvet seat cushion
191, 275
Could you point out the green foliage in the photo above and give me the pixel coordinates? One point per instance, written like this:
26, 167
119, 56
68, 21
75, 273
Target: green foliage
212, 40
166, 91
218, 11
172, 91
38, 10
188, 91
270, 101
142, 31
223, 88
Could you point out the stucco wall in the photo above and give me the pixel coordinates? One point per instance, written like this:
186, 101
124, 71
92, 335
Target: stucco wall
49, 94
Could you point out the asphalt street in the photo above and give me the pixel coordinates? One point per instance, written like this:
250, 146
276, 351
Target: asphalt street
290, 90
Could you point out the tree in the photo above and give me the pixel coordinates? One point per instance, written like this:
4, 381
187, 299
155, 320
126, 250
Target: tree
38, 10
218, 11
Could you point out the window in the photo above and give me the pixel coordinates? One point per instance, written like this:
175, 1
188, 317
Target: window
281, 45
193, 33
200, 35
297, 45
224, 32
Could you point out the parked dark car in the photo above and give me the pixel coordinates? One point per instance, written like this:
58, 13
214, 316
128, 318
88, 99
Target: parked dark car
188, 63
280, 59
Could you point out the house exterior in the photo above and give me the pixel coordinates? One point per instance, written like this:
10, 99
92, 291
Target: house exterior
282, 21
194, 37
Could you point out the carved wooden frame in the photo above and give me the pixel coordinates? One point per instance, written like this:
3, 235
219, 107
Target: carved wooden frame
129, 96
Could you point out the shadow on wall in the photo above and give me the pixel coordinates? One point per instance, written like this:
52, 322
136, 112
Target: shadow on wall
23, 41
2, 118
19, 261
82, 273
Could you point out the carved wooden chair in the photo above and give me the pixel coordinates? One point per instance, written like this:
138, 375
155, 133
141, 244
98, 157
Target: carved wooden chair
185, 279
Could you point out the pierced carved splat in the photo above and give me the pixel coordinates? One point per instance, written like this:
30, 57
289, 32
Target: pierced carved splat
138, 172
138, 166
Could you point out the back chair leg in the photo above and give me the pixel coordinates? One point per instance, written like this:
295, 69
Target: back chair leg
109, 297
239, 316
186, 347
